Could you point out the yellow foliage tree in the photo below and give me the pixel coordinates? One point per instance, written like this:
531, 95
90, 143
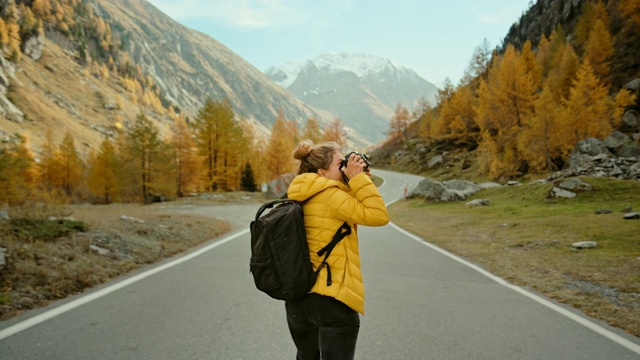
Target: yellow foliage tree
588, 109
598, 50
335, 132
537, 142
312, 131
563, 71
217, 135
103, 177
16, 172
185, 158
71, 166
399, 123
457, 116
279, 154
505, 102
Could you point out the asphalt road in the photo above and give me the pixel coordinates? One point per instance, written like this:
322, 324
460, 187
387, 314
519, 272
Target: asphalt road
422, 303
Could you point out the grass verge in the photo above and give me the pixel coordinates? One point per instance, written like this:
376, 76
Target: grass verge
526, 239
54, 252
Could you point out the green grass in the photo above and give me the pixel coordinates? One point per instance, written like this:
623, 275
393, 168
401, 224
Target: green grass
525, 237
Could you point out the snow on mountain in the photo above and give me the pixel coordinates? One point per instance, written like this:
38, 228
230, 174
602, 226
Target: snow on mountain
362, 65
362, 90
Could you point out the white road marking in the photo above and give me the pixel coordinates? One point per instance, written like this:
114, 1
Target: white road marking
26, 324
579, 319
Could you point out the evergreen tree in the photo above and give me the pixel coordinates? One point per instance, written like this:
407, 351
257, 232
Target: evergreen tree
248, 183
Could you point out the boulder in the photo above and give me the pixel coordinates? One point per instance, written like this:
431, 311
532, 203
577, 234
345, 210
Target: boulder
630, 118
436, 161
477, 202
585, 245
451, 190
632, 216
575, 185
557, 192
633, 85
32, 47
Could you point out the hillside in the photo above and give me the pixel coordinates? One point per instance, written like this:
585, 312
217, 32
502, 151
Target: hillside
565, 72
128, 58
362, 90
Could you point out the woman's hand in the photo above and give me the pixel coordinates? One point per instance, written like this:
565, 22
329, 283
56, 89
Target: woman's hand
355, 166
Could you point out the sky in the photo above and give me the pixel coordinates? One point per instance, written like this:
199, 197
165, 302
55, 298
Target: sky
435, 38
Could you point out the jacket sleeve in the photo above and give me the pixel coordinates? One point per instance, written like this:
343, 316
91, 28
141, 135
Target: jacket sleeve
363, 205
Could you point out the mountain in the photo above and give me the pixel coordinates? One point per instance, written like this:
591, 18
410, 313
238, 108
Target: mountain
99, 74
362, 90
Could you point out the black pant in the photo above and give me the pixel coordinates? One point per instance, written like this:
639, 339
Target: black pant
322, 328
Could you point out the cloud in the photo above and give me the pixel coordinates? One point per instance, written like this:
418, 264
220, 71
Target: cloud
244, 14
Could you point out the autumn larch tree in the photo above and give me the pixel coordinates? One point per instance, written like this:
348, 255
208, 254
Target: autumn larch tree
217, 137
335, 132
588, 109
104, 173
144, 147
312, 131
505, 102
71, 165
399, 123
279, 154
185, 158
17, 172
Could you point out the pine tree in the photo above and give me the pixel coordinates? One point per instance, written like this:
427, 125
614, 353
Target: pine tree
248, 183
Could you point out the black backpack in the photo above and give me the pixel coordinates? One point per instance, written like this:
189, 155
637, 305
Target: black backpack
280, 261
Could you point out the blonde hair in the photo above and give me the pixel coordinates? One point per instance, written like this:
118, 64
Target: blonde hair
314, 157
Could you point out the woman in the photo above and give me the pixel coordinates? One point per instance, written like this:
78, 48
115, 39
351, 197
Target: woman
325, 323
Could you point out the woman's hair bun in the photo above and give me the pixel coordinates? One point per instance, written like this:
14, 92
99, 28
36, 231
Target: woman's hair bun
302, 150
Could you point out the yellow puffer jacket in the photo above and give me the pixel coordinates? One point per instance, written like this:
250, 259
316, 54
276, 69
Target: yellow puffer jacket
331, 203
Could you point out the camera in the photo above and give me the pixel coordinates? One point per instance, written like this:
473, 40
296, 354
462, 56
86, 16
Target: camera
364, 158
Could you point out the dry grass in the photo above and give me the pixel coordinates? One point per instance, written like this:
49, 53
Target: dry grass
41, 270
526, 239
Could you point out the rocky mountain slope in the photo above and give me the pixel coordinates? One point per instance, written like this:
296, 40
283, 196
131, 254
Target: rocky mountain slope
54, 88
362, 90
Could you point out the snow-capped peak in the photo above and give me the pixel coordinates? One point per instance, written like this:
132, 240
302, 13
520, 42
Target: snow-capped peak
359, 64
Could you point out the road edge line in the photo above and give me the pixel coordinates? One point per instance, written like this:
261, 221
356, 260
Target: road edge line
50, 314
577, 318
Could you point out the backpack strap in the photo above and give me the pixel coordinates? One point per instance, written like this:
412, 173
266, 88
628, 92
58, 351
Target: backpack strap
343, 231
270, 205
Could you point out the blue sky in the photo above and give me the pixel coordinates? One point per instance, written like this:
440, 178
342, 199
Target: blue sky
436, 38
